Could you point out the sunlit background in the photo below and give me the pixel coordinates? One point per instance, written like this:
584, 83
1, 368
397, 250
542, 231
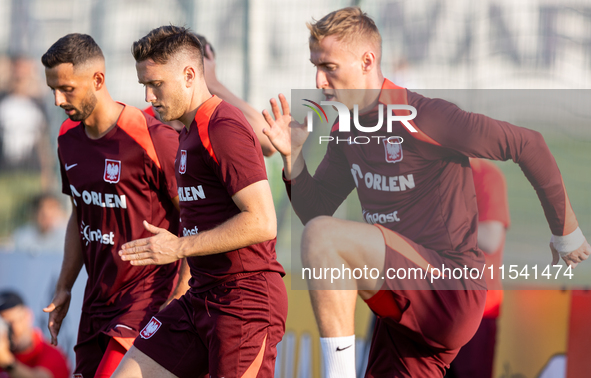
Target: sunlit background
261, 50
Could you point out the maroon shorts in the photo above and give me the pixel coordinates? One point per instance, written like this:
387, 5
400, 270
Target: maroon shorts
423, 339
476, 358
230, 330
97, 329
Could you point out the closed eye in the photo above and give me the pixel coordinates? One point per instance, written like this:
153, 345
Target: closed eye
155, 84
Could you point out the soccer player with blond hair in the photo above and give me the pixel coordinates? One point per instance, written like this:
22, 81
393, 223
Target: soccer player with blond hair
425, 185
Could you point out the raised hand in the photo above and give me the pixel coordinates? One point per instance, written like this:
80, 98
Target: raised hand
286, 135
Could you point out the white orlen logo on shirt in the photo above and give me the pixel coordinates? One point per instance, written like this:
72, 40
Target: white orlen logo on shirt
183, 162
393, 151
112, 171
150, 328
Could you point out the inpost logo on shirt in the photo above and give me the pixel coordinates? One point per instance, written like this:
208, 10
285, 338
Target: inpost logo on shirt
96, 235
192, 231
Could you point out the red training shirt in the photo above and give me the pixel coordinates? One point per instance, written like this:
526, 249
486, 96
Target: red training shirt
219, 156
116, 182
42, 354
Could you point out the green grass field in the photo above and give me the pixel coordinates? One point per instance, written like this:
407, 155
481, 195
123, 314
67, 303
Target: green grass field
529, 235
18, 189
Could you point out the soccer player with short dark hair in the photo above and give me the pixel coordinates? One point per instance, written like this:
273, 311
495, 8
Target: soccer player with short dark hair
117, 165
418, 198
229, 322
254, 118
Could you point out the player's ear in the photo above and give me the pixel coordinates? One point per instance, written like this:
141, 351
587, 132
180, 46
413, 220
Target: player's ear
190, 75
368, 61
98, 80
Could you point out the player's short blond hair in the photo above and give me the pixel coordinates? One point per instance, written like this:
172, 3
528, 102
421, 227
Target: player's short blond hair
350, 25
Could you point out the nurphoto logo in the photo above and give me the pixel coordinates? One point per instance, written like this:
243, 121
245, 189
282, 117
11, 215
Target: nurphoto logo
344, 124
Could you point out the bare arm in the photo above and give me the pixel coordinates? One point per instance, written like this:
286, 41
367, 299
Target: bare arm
253, 117
255, 223
71, 266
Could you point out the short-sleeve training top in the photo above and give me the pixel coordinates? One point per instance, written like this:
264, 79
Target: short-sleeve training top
117, 182
219, 156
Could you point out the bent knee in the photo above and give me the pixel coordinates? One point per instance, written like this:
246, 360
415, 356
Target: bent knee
318, 247
327, 241
319, 227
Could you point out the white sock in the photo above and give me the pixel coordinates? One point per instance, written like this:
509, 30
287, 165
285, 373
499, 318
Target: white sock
339, 356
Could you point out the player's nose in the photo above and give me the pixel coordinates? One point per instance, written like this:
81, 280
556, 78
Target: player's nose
150, 97
321, 81
59, 98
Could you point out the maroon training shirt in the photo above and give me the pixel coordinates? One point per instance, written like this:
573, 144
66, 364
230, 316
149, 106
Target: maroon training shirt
116, 182
423, 188
219, 156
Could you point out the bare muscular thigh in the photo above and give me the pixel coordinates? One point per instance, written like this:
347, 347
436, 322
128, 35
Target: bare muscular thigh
328, 243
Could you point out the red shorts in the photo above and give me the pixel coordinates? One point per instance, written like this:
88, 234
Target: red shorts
230, 330
433, 324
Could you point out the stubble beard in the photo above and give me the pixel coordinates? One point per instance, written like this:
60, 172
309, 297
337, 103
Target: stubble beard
86, 108
172, 112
